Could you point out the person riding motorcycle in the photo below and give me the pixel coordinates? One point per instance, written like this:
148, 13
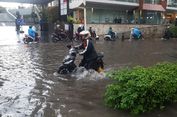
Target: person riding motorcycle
77, 33
89, 53
32, 33
110, 32
135, 33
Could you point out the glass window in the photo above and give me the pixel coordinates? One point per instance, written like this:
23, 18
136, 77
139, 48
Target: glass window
134, 1
152, 1
172, 3
152, 17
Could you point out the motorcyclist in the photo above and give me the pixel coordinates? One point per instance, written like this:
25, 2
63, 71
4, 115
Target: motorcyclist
89, 53
135, 33
32, 33
110, 32
79, 29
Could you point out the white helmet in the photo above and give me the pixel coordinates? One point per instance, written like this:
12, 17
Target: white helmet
80, 25
58, 25
85, 33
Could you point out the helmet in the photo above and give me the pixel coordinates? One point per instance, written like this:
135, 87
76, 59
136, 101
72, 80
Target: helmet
85, 33
80, 25
58, 26
30, 26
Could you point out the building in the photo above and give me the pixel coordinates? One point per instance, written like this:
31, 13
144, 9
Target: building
124, 11
171, 11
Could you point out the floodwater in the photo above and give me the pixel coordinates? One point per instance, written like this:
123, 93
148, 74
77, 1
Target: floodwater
30, 88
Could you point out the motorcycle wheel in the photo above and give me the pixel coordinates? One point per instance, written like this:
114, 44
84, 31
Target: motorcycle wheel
25, 41
64, 71
107, 38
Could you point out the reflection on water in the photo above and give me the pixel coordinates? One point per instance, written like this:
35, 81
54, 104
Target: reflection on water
28, 86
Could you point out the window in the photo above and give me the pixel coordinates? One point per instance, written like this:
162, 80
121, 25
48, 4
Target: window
152, 1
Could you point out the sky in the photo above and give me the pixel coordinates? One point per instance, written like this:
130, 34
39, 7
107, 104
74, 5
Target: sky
13, 5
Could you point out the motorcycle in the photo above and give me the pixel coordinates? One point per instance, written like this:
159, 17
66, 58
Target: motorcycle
138, 37
58, 37
27, 39
108, 37
68, 65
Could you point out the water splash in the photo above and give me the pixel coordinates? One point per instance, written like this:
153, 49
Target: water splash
82, 73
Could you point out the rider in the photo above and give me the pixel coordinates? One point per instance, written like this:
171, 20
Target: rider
89, 53
110, 32
79, 29
135, 33
32, 33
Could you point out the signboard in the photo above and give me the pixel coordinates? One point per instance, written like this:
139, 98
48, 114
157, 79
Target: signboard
63, 7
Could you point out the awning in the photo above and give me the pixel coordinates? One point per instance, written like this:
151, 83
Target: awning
76, 5
153, 7
28, 1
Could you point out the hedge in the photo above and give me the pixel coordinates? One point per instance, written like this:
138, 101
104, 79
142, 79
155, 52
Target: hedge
173, 29
140, 89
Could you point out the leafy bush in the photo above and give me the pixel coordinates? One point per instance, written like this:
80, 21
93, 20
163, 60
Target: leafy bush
70, 19
173, 29
142, 89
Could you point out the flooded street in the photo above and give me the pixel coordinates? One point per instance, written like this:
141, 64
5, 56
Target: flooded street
29, 88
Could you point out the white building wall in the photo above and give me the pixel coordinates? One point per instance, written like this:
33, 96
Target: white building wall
54, 3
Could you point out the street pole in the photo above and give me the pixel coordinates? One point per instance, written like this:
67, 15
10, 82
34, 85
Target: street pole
85, 16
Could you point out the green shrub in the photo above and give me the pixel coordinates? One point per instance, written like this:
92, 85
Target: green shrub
142, 89
173, 29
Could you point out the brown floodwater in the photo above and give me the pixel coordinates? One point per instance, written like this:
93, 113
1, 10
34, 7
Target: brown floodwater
30, 88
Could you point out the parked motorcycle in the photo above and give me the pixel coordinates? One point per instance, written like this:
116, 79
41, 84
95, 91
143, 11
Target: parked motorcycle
58, 37
68, 65
27, 39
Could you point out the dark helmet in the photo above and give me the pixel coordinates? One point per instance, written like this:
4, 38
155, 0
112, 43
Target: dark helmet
30, 26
